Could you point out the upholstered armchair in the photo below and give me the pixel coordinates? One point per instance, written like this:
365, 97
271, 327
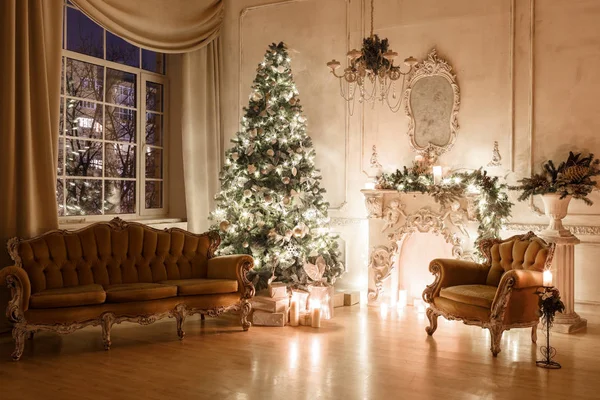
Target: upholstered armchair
499, 294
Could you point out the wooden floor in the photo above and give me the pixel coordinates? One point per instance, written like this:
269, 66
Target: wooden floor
360, 354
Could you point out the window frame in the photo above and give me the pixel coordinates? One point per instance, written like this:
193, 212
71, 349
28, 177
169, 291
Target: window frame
142, 77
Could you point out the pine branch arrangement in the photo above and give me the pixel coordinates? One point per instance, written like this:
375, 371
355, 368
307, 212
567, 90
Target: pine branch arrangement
572, 177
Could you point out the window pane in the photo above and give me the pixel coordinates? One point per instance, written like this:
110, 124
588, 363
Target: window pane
84, 35
121, 51
154, 129
120, 88
85, 80
153, 194
152, 61
61, 118
84, 196
62, 75
119, 197
60, 197
61, 156
154, 96
84, 158
84, 119
153, 163
121, 124
120, 160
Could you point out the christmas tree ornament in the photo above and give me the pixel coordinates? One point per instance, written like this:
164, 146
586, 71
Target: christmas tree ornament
224, 225
274, 137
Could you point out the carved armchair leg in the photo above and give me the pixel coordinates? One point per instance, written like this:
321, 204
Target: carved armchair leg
245, 310
496, 333
107, 322
432, 316
30, 336
180, 317
534, 333
202, 317
18, 335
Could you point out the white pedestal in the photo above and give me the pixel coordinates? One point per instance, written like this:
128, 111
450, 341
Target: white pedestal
563, 266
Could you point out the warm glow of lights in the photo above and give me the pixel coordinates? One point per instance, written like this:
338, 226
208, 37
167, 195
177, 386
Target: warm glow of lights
547, 278
437, 174
370, 185
383, 309
403, 298
294, 354
315, 350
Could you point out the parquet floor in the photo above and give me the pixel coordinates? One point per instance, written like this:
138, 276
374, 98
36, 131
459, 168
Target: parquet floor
360, 354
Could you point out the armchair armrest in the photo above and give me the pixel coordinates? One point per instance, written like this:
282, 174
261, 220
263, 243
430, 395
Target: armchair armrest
451, 272
17, 280
233, 267
514, 279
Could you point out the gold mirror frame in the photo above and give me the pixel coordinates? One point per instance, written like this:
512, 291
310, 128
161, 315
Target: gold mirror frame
432, 66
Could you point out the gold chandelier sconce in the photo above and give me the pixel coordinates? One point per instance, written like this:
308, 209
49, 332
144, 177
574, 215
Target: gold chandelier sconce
371, 74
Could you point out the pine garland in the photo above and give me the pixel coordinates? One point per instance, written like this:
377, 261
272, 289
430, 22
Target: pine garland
492, 207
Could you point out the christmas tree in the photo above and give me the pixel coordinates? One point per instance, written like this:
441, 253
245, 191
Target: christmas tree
271, 204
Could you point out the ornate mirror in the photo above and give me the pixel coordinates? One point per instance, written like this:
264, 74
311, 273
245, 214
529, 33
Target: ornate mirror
431, 102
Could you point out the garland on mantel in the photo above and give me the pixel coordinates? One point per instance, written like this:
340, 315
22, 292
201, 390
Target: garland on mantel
492, 207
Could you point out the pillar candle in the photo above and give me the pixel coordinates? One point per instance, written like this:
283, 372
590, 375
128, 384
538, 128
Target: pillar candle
294, 313
437, 174
316, 314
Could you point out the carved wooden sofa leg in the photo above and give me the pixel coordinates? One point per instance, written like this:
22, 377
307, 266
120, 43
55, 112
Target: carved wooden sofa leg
30, 336
18, 335
107, 322
202, 317
245, 310
179, 314
534, 333
432, 316
496, 333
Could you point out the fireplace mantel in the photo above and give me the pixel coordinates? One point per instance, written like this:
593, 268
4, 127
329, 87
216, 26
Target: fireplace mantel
394, 216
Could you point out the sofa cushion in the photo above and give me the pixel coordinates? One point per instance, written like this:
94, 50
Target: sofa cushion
189, 287
126, 292
477, 295
68, 297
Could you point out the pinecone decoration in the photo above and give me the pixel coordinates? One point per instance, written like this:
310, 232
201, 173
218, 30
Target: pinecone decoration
575, 173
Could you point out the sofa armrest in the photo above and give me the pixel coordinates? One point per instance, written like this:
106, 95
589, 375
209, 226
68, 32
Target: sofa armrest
17, 280
452, 272
514, 279
233, 267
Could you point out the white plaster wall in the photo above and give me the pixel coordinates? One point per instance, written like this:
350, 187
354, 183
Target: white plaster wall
528, 80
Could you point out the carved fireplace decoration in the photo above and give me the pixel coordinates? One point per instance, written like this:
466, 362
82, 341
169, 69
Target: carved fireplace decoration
432, 101
394, 216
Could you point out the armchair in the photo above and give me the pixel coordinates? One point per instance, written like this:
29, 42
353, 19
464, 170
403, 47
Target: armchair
497, 295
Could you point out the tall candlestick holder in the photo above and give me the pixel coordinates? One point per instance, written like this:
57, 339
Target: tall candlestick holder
549, 303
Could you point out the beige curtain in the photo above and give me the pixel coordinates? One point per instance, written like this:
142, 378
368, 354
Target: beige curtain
168, 26
29, 112
195, 105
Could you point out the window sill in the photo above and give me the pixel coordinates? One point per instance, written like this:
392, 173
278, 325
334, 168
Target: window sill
159, 223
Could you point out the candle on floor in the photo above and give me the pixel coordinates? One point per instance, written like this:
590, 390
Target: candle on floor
437, 174
315, 305
383, 308
547, 278
403, 298
294, 313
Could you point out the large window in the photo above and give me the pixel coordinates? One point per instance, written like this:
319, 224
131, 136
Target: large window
112, 116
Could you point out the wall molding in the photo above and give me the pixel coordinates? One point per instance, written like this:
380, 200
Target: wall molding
583, 230
342, 206
335, 221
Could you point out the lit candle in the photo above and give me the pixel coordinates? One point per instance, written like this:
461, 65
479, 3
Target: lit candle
370, 185
403, 298
384, 308
294, 313
547, 278
437, 174
418, 158
316, 313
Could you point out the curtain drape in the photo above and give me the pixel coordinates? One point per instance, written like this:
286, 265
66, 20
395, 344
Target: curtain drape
167, 26
29, 112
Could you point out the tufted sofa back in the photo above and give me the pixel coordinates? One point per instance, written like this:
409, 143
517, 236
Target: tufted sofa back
113, 252
518, 252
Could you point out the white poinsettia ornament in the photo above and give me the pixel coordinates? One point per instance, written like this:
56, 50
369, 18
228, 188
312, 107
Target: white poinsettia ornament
251, 168
235, 156
247, 193
224, 225
270, 152
315, 271
301, 230
256, 96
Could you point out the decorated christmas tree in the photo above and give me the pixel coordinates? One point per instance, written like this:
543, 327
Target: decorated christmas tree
271, 203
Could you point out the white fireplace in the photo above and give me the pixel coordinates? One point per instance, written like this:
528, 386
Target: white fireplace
406, 232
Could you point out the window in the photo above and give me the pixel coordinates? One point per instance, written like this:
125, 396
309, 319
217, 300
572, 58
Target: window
111, 156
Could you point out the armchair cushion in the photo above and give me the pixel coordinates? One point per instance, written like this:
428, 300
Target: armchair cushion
477, 295
126, 292
68, 297
189, 287
516, 254
465, 311
453, 272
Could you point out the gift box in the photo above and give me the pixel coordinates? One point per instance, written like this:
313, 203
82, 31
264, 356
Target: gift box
351, 298
325, 296
278, 289
263, 318
338, 299
270, 304
302, 298
305, 318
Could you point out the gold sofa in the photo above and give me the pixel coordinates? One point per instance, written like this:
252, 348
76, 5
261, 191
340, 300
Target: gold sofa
499, 294
116, 271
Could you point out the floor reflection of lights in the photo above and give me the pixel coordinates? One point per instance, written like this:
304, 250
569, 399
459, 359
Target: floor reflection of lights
294, 354
315, 350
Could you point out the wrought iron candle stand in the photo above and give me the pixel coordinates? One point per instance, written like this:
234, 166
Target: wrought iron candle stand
547, 351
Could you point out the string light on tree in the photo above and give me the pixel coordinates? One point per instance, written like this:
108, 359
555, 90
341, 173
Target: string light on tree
271, 203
